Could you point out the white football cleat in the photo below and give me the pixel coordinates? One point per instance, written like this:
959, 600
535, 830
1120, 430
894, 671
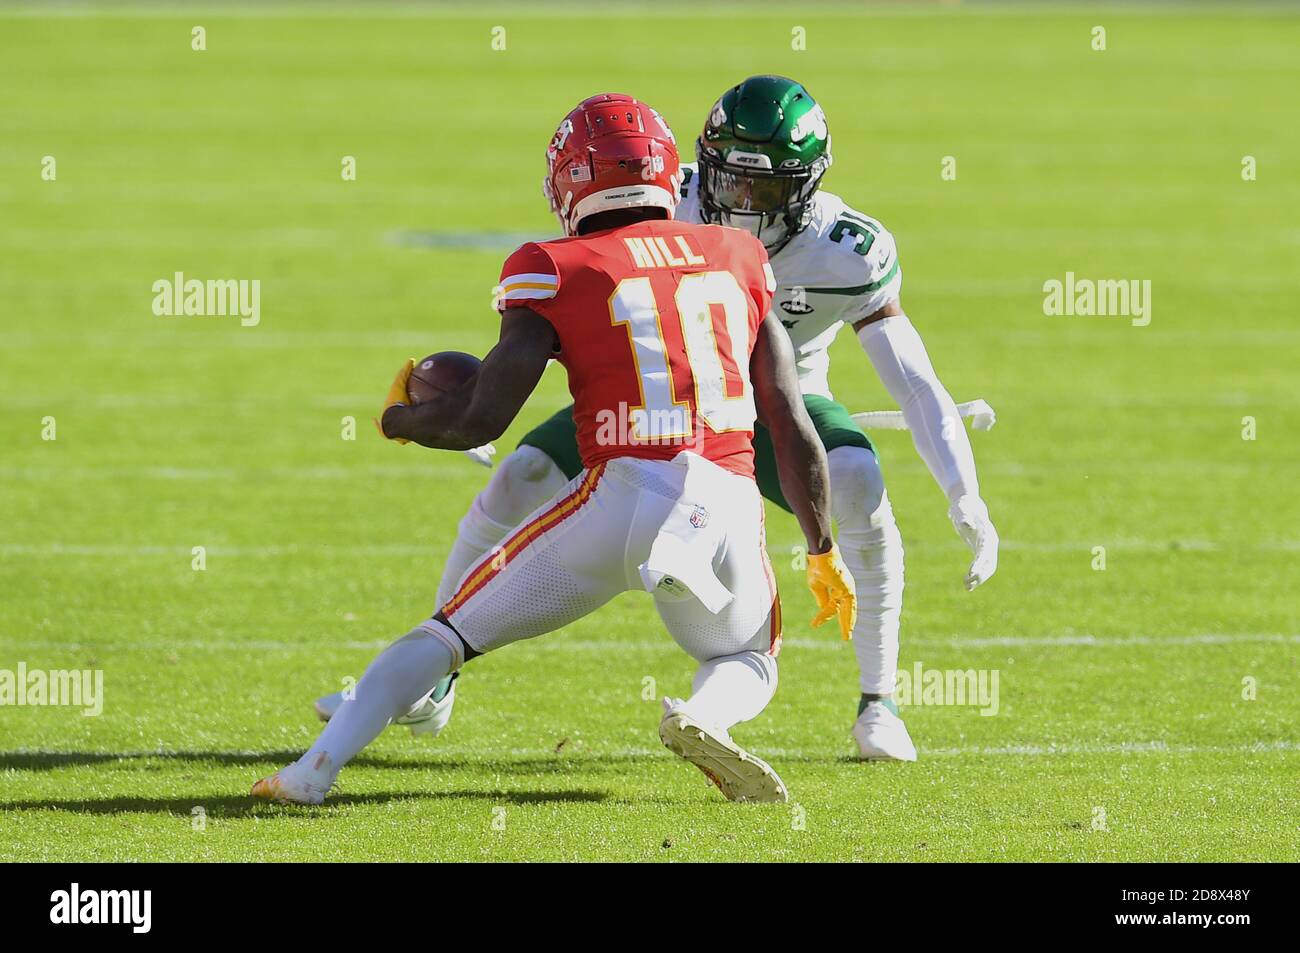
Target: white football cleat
882, 736
738, 774
426, 717
298, 783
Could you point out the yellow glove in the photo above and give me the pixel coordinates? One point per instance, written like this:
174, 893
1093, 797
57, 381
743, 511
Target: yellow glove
833, 588
397, 396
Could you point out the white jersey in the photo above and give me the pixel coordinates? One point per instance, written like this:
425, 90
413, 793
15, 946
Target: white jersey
840, 269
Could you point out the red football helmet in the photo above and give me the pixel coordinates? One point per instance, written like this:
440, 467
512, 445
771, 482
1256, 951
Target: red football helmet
611, 152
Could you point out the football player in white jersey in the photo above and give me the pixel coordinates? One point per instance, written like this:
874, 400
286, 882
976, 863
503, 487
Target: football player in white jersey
762, 154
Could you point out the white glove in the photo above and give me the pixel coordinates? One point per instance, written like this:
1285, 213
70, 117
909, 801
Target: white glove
980, 413
482, 455
970, 517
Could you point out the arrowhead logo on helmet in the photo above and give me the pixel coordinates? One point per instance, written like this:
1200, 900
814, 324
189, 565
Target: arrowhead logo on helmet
610, 152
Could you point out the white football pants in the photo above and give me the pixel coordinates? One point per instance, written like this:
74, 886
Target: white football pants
685, 530
867, 534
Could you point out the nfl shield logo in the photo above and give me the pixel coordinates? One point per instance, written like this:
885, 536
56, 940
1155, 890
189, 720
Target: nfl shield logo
699, 516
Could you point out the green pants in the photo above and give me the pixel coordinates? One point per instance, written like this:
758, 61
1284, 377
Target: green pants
557, 437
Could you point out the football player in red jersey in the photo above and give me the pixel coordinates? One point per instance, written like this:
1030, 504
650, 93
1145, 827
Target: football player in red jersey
665, 332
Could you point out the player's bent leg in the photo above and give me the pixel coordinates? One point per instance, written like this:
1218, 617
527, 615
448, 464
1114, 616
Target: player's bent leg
872, 548
392, 683
525, 480
732, 689
602, 536
726, 691
538, 469
737, 649
522, 482
427, 717
395, 680
738, 774
562, 563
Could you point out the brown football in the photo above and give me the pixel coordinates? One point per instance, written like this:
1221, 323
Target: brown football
440, 372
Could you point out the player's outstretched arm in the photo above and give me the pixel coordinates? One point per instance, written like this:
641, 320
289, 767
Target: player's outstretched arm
804, 473
904, 366
481, 410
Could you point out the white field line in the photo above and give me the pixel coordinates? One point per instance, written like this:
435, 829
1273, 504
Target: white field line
1152, 545
49, 475
259, 339
1119, 403
1067, 469
1124, 747
1043, 750
396, 10
395, 338
559, 643
1021, 751
1048, 749
184, 551
777, 550
155, 401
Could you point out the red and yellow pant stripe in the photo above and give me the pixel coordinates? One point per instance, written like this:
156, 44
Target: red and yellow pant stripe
495, 562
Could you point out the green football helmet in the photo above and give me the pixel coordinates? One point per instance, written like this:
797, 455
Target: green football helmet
762, 155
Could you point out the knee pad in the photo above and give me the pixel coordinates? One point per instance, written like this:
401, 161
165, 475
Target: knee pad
522, 482
867, 534
857, 486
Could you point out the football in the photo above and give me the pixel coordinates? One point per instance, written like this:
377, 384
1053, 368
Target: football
439, 373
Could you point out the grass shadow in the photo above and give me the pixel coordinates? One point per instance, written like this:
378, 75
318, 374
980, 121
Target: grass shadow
54, 760
524, 764
238, 806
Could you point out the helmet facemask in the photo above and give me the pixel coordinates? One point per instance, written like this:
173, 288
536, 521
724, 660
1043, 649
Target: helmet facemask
772, 204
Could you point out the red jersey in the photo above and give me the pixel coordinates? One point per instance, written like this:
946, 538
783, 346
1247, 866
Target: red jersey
656, 323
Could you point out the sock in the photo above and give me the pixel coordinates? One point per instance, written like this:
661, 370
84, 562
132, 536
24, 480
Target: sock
395, 680
872, 548
867, 698
732, 688
443, 687
521, 483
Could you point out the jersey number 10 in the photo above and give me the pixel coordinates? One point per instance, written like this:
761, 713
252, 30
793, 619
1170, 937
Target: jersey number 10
723, 396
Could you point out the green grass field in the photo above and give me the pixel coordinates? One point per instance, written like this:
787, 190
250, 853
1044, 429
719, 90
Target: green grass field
1123, 731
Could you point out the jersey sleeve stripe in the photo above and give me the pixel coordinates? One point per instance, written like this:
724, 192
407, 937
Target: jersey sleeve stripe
532, 279
527, 292
861, 289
